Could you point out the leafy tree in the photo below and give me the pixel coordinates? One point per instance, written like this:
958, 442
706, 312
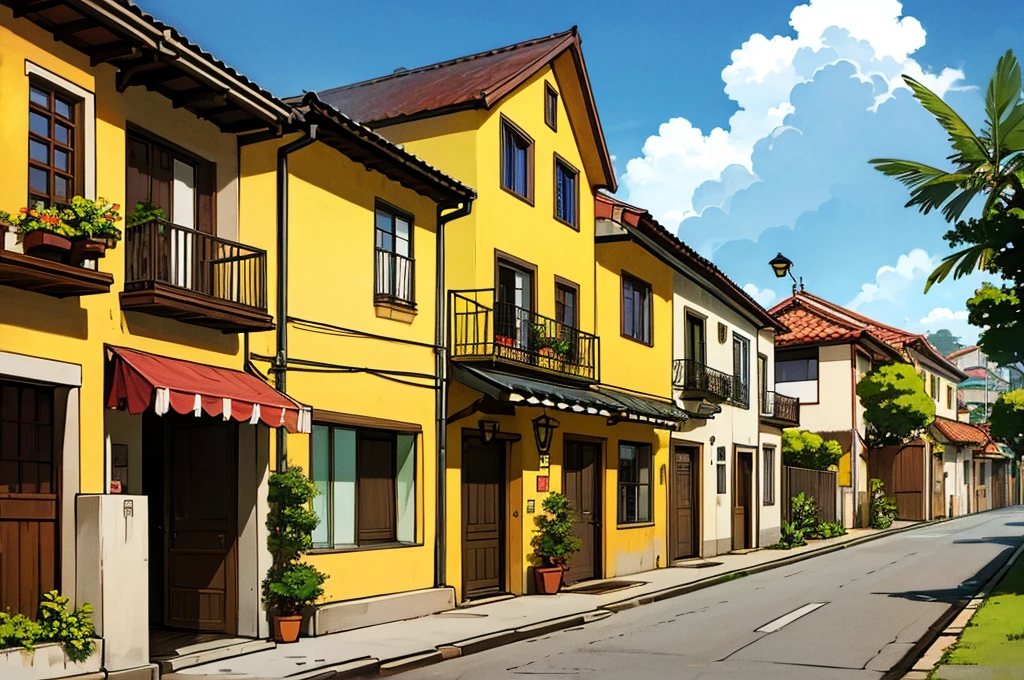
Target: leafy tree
804, 449
1007, 420
944, 341
988, 164
895, 404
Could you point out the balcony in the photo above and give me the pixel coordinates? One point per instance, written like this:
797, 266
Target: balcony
48, 277
504, 333
697, 381
196, 278
394, 279
778, 409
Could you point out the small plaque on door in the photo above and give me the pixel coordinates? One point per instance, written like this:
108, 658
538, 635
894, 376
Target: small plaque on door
531, 506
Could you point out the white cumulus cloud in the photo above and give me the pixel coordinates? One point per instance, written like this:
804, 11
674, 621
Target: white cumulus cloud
892, 282
765, 297
872, 35
940, 314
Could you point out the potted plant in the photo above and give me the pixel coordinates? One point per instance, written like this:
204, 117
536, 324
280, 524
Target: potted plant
43, 234
94, 224
553, 543
145, 212
291, 585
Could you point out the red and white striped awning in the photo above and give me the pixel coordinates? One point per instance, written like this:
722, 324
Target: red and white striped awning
141, 379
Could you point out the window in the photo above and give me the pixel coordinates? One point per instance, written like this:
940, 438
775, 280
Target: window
796, 369
182, 185
565, 303
762, 381
516, 161
696, 347
635, 487
394, 279
720, 470
26, 440
550, 106
367, 484
949, 396
636, 309
567, 196
769, 476
935, 387
52, 145
741, 370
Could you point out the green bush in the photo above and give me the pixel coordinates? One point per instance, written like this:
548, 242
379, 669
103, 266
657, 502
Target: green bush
830, 530
882, 509
804, 512
804, 449
291, 585
792, 537
72, 628
553, 541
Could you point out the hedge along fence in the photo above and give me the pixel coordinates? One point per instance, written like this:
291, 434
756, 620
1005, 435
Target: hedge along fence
821, 485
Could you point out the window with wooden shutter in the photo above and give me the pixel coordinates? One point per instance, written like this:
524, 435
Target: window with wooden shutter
184, 186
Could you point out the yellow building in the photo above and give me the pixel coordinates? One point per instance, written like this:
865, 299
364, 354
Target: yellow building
136, 411
544, 331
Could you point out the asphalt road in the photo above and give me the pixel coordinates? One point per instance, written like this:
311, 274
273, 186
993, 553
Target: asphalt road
850, 614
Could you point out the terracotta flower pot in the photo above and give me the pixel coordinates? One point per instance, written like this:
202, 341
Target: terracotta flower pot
548, 580
87, 249
286, 628
46, 245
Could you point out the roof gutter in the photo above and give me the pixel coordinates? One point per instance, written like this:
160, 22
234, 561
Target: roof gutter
441, 393
280, 367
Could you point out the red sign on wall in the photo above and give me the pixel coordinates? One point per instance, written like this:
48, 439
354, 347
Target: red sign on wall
542, 483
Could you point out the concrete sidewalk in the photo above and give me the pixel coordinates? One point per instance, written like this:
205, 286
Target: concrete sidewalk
403, 645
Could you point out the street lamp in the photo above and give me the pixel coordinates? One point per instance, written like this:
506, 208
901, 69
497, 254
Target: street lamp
544, 431
782, 265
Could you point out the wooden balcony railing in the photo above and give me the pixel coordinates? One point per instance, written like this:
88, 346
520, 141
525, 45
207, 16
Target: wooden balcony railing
780, 408
504, 332
698, 381
394, 278
196, 277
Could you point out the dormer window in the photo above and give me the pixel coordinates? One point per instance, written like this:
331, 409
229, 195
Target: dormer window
550, 106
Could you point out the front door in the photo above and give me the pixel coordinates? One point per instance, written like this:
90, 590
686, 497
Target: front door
684, 512
581, 487
483, 518
742, 508
200, 537
29, 499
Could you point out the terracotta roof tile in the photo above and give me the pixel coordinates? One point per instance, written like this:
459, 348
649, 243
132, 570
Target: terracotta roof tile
960, 433
961, 352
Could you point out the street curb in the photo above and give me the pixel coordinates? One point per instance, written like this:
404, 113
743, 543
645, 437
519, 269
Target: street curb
946, 627
675, 591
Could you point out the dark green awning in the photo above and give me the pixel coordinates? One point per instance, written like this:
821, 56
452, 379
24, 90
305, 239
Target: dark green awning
611, 404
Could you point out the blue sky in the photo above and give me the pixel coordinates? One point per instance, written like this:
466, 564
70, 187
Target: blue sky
746, 124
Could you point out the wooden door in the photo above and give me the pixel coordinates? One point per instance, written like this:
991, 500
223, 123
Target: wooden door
938, 488
483, 518
29, 497
742, 510
908, 482
201, 526
581, 472
685, 503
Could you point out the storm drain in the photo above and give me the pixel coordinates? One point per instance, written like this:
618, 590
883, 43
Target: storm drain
602, 587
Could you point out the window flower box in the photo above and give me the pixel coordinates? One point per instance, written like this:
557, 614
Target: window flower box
46, 661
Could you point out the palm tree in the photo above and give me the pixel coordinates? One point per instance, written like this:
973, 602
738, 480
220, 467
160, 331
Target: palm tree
991, 163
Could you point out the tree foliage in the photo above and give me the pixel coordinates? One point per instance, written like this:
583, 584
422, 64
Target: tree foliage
1007, 420
804, 449
895, 404
944, 341
988, 164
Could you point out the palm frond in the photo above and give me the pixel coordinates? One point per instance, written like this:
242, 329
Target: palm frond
1003, 92
931, 187
1011, 131
970, 148
960, 264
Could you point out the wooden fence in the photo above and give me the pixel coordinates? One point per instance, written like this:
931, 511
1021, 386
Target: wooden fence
821, 485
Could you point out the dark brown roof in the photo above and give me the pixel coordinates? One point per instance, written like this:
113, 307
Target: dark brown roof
610, 208
477, 81
365, 146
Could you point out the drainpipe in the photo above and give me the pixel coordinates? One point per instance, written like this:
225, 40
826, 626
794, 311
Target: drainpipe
281, 358
441, 392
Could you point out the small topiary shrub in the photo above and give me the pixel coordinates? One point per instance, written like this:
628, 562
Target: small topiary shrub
553, 541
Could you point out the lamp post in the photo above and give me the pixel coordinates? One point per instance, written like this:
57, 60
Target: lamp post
544, 432
782, 265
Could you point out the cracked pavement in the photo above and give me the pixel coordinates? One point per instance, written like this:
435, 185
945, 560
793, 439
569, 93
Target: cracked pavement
879, 599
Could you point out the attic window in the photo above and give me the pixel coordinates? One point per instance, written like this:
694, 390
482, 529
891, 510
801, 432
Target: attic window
550, 106
516, 161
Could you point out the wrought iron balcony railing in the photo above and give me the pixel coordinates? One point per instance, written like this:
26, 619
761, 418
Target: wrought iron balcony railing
698, 381
780, 408
504, 332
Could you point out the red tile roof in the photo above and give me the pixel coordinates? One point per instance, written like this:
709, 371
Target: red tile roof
961, 352
471, 82
816, 321
611, 208
960, 433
